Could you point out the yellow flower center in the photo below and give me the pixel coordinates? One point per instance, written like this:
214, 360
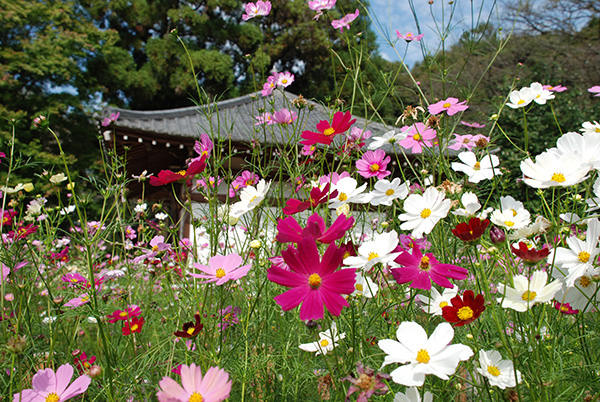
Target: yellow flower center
359, 287
477, 166
181, 173
220, 273
583, 256
374, 167
329, 131
520, 102
424, 265
346, 255
509, 223
528, 295
564, 308
134, 327
324, 342
423, 356
155, 248
464, 313
314, 281
190, 330
558, 177
123, 314
446, 105
585, 281
342, 197
389, 192
443, 304
252, 199
372, 255
417, 137
425, 213
284, 81
74, 280
493, 370
196, 397
52, 397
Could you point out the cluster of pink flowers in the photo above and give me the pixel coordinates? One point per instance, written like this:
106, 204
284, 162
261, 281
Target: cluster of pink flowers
283, 117
245, 179
281, 80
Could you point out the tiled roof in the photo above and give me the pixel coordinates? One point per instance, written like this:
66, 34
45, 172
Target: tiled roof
232, 117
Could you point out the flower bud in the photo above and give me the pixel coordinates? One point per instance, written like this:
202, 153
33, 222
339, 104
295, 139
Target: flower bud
94, 371
17, 344
497, 235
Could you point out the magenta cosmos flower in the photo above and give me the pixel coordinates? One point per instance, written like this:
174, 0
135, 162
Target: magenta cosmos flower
345, 22
418, 136
373, 164
221, 269
289, 230
51, 387
214, 386
422, 269
340, 124
314, 282
451, 106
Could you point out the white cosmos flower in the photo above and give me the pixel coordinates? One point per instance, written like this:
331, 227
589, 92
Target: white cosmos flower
579, 258
551, 169
485, 169
379, 250
58, 178
348, 192
583, 295
589, 127
412, 395
540, 226
471, 205
364, 286
386, 192
540, 95
67, 210
424, 211
390, 137
435, 303
327, 341
587, 146
250, 198
520, 98
594, 203
526, 293
424, 355
500, 373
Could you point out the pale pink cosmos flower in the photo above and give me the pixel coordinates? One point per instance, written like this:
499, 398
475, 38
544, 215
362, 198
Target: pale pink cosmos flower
264, 118
78, 301
321, 5
373, 164
214, 386
409, 37
472, 125
284, 116
269, 86
53, 387
556, 88
467, 141
108, 120
418, 136
261, 8
451, 106
285, 79
221, 269
345, 22
595, 90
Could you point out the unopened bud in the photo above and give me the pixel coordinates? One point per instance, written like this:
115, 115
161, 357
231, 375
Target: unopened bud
497, 235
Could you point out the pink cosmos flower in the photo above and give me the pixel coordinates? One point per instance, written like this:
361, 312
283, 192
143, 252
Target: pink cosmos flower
422, 269
221, 269
467, 141
333, 178
308, 150
78, 301
340, 124
451, 106
556, 88
54, 387
284, 116
203, 147
472, 125
373, 164
285, 79
229, 317
321, 5
289, 230
264, 118
269, 86
124, 315
409, 37
261, 8
345, 22
135, 325
314, 282
214, 386
245, 179
595, 90
418, 136
73, 279
108, 120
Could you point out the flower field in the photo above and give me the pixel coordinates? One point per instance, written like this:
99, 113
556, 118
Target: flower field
408, 266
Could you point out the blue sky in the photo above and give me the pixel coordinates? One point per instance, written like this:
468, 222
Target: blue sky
389, 15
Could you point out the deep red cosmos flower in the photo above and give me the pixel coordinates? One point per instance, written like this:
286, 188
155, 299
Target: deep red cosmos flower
317, 196
530, 256
340, 124
135, 325
464, 311
315, 282
190, 329
471, 231
168, 176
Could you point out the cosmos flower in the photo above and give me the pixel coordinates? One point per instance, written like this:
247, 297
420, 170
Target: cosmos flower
476, 170
321, 5
528, 292
412, 395
373, 164
471, 231
437, 301
135, 325
554, 169
418, 136
167, 176
367, 384
214, 386
221, 269
317, 196
345, 22
500, 373
529, 255
409, 37
124, 315
382, 249
465, 310
261, 8
423, 355
53, 387
423, 212
326, 132
190, 329
314, 282
385, 192
289, 230
327, 341
451, 106
595, 90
